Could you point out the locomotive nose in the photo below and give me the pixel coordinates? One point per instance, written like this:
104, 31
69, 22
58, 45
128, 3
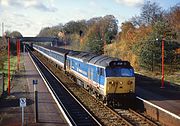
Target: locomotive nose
120, 85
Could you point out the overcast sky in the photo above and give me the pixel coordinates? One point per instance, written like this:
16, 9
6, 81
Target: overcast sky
30, 16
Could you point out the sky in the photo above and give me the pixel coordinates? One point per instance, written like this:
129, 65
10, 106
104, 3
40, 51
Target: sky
30, 16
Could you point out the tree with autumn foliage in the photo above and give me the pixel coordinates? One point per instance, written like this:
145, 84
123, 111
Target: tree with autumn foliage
101, 33
3, 46
173, 18
139, 40
13, 35
92, 41
124, 47
149, 50
3, 51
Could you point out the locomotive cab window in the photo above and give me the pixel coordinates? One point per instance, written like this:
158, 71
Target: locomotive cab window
126, 72
119, 72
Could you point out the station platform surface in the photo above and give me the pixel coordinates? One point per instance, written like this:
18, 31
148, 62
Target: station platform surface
167, 98
22, 86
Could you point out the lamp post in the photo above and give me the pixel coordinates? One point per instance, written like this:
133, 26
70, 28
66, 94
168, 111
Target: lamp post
162, 64
18, 53
9, 84
152, 69
2, 29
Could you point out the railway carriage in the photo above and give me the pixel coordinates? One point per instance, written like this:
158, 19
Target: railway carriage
55, 54
110, 79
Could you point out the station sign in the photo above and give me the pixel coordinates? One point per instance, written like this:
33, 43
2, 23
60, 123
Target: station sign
35, 82
22, 102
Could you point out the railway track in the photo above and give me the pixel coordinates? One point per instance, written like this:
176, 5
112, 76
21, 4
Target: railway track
104, 114
135, 118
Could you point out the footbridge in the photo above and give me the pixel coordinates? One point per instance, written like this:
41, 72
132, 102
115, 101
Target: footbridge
54, 40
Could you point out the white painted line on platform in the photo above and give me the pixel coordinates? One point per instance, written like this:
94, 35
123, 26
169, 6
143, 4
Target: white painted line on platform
170, 113
59, 106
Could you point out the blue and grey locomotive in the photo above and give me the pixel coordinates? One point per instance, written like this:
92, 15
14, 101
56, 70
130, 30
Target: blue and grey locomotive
108, 78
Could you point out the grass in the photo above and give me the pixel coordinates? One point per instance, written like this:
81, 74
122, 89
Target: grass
13, 62
173, 78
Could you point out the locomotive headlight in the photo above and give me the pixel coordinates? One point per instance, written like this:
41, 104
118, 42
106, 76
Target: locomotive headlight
120, 82
111, 82
130, 91
130, 82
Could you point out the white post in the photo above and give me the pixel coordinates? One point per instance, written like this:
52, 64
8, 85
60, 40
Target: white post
22, 102
24, 49
22, 116
24, 52
2, 29
35, 82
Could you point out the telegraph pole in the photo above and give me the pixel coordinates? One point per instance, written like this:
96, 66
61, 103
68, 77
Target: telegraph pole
162, 60
9, 83
17, 42
2, 28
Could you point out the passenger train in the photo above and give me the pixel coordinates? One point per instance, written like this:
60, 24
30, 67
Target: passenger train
110, 79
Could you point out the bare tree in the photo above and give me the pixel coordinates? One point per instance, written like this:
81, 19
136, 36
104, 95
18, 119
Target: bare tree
150, 13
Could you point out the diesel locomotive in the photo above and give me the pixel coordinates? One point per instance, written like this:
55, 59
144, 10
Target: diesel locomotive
109, 79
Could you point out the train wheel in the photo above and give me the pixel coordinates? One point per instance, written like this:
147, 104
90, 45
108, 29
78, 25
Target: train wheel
105, 101
100, 97
96, 95
90, 91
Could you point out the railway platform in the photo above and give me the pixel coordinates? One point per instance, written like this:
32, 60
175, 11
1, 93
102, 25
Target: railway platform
163, 104
22, 86
167, 97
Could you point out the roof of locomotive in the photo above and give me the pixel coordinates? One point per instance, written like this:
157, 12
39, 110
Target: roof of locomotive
100, 60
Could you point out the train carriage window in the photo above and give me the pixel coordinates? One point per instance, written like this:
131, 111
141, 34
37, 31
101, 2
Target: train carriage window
101, 71
73, 64
98, 70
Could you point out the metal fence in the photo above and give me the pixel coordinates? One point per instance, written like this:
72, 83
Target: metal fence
1, 83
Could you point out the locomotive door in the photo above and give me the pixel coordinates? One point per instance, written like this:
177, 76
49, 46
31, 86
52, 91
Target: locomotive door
90, 75
98, 76
89, 72
68, 64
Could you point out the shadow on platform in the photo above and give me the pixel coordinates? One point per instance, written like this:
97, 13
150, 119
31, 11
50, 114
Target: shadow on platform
153, 86
5, 103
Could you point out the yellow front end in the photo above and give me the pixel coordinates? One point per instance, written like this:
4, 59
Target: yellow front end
119, 85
